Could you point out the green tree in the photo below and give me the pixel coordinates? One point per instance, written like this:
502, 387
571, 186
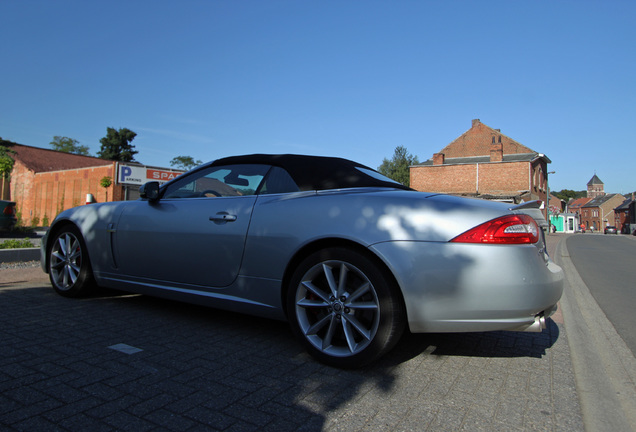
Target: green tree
184, 162
68, 145
116, 145
568, 194
6, 161
398, 167
6, 166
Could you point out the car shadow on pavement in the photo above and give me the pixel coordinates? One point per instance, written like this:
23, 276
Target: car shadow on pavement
479, 344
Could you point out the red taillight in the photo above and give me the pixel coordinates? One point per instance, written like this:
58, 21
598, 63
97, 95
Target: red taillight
9, 210
511, 229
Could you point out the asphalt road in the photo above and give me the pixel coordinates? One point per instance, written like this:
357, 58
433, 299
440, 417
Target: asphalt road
606, 263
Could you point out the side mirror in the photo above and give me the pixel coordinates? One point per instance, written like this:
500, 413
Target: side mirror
149, 191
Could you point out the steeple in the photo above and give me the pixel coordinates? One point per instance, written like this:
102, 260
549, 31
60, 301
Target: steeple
595, 181
595, 187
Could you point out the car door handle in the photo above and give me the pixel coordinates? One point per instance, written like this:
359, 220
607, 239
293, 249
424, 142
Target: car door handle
223, 217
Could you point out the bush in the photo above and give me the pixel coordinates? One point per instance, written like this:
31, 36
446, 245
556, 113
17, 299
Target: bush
16, 244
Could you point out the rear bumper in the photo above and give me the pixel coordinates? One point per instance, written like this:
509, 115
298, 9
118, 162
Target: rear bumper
7, 224
451, 287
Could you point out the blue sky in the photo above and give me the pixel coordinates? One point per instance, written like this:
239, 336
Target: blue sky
353, 79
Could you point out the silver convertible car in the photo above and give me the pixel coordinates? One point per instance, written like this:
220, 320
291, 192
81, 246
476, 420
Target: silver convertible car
350, 258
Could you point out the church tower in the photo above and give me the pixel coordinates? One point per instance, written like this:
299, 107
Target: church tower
595, 187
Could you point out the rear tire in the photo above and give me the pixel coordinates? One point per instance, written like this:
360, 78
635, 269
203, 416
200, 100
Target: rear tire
344, 308
69, 266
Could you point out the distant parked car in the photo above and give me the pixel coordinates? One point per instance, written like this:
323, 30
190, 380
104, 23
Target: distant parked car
7, 215
611, 230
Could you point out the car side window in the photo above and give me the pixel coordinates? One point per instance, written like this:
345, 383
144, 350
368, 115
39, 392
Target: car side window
278, 181
218, 181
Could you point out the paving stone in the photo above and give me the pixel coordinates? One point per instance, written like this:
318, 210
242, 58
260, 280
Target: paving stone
170, 421
203, 369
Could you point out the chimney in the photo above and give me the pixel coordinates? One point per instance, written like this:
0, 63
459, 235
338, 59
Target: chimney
475, 122
438, 159
496, 150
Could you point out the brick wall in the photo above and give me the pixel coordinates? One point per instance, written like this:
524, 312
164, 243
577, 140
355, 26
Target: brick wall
445, 178
504, 178
44, 195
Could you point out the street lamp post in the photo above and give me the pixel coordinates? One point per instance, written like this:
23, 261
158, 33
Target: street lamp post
547, 186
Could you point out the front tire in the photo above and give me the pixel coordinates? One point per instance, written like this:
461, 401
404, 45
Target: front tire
69, 267
344, 308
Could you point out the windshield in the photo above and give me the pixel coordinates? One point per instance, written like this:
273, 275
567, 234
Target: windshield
376, 175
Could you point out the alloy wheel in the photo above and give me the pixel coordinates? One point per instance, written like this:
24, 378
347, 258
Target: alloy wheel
66, 261
337, 308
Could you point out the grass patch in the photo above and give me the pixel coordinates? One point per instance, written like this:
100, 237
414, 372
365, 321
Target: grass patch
16, 244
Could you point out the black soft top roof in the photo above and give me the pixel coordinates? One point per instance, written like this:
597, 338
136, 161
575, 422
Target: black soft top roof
316, 172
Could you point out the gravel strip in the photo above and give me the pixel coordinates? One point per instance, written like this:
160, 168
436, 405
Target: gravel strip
19, 265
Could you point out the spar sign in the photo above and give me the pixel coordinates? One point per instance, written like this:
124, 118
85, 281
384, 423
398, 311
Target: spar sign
138, 175
160, 176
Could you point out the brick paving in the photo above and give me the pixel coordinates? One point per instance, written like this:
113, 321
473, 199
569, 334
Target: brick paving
68, 364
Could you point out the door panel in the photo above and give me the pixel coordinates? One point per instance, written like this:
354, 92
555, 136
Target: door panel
195, 241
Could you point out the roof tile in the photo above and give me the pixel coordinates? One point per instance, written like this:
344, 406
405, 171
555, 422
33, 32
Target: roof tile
45, 160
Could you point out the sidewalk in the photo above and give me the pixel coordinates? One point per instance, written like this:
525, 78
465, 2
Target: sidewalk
604, 367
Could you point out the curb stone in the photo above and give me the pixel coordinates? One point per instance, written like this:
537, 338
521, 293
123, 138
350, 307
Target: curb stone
17, 255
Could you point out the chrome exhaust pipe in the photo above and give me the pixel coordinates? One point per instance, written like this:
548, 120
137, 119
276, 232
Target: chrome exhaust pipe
537, 326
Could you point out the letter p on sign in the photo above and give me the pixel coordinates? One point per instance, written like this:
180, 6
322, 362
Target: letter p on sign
125, 172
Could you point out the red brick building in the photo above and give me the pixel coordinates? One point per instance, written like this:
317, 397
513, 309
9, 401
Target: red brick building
485, 163
625, 215
557, 205
576, 207
45, 182
598, 213
598, 209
